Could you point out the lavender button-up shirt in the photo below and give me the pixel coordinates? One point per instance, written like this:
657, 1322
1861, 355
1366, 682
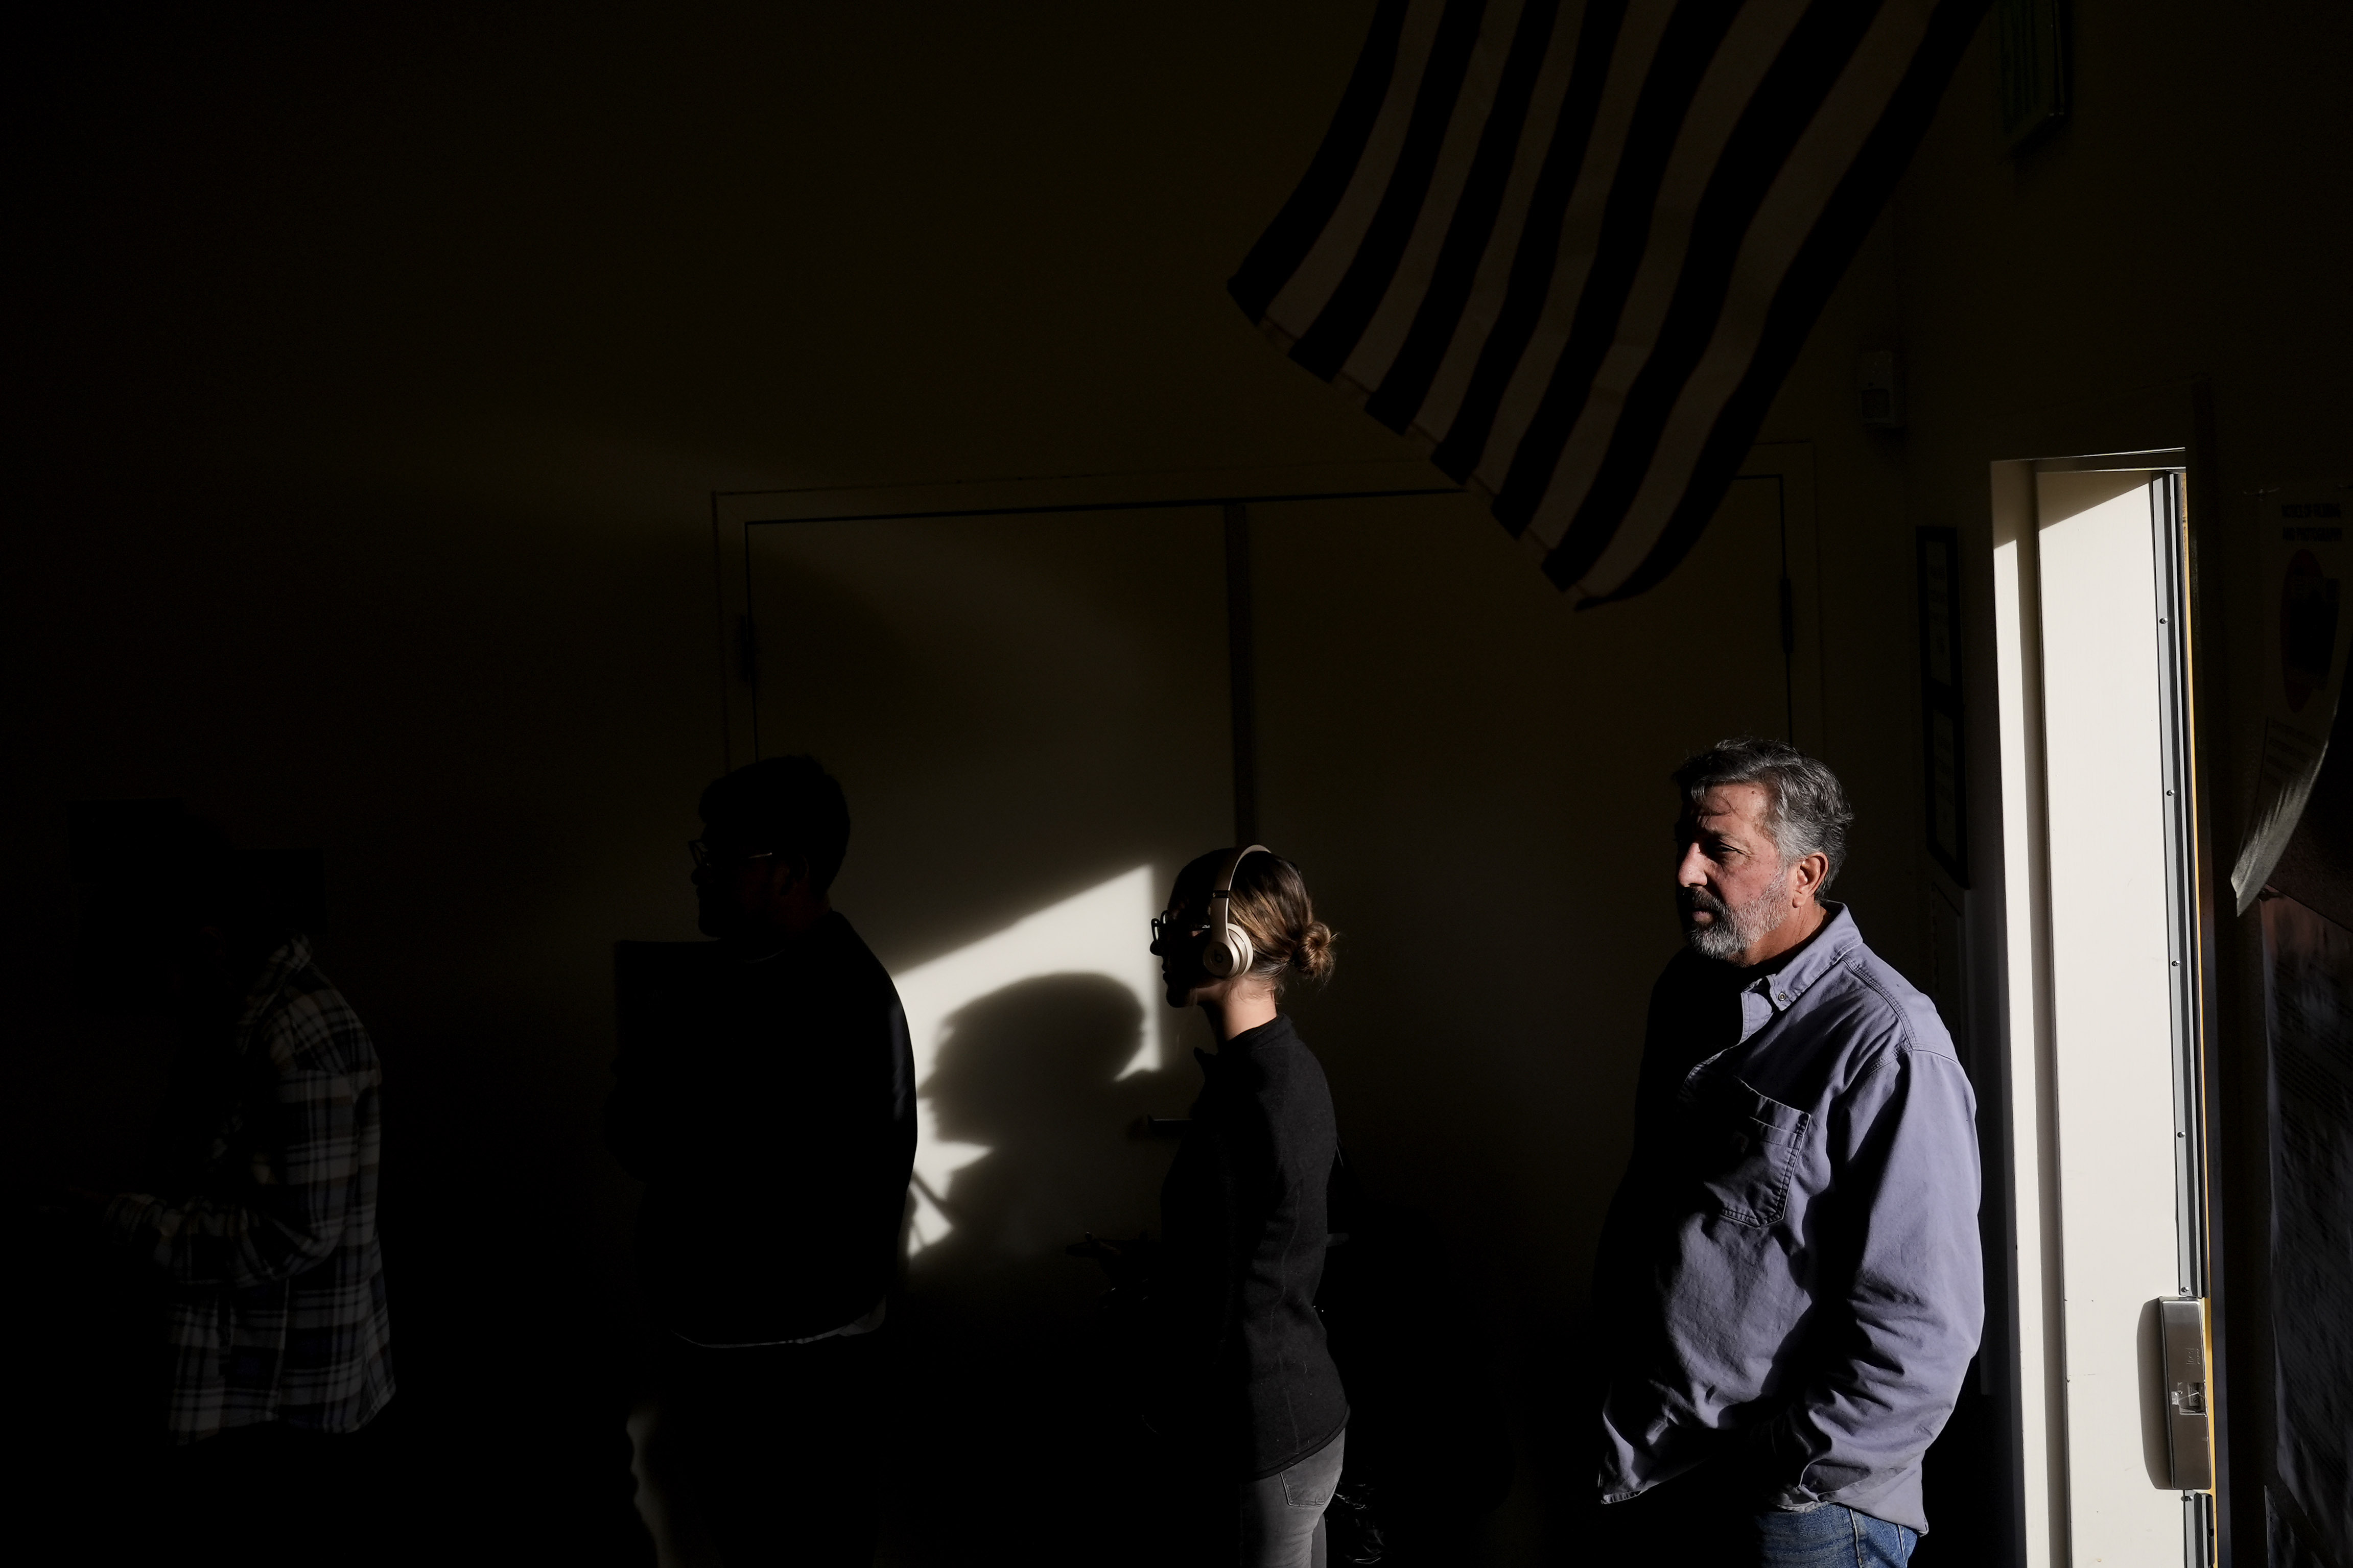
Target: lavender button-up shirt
1789, 1285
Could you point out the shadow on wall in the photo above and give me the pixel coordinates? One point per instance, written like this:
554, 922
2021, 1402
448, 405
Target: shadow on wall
1019, 1411
1032, 1073
1016, 1427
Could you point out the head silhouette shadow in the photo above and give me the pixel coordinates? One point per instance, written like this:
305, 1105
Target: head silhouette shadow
1004, 1359
1032, 1072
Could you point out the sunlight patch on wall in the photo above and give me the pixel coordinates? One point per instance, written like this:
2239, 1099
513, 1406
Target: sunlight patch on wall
1103, 930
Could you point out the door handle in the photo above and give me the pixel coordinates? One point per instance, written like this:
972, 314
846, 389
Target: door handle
2186, 1383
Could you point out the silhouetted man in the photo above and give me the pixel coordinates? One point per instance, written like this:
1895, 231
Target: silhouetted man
263, 1230
769, 1106
1790, 1288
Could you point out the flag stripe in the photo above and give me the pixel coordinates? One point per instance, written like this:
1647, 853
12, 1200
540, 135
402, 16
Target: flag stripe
1464, 441
1741, 62
1288, 239
1408, 286
1407, 381
1580, 239
1843, 226
1668, 89
1492, 283
1577, 253
1309, 289
1325, 346
1817, 51
1790, 210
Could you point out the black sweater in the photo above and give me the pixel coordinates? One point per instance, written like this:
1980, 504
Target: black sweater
768, 1103
1243, 1219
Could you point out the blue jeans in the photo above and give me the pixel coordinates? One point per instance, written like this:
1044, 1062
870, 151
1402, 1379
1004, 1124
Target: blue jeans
1687, 1524
1281, 1522
1831, 1536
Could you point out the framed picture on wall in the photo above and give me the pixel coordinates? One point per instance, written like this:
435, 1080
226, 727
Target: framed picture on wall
1940, 701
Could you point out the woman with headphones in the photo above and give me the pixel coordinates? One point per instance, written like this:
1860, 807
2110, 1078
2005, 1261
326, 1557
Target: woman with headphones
1256, 1401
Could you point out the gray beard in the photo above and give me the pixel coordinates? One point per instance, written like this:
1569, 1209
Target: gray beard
1733, 931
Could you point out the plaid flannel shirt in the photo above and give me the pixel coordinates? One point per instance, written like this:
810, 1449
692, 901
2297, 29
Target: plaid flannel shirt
275, 1307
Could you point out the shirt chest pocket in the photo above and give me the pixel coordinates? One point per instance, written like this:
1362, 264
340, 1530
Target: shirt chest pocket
1744, 1149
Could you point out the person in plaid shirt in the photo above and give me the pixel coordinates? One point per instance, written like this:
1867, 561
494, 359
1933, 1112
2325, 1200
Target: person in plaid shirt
272, 1278
275, 1302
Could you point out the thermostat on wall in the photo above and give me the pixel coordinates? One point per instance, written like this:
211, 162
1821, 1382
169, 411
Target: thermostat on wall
1879, 389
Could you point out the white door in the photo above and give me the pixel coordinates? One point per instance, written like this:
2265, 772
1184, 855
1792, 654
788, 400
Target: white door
2103, 1066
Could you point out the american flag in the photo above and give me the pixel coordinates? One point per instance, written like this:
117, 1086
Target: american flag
1576, 248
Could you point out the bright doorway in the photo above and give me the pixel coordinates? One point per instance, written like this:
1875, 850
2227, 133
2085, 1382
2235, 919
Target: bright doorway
2105, 1080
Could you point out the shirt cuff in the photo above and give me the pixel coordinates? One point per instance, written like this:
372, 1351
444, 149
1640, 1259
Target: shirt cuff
126, 1214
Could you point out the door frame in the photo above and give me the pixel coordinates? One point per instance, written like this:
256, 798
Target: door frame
735, 514
1790, 465
2031, 1307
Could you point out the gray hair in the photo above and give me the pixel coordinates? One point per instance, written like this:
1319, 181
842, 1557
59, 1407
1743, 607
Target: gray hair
1806, 809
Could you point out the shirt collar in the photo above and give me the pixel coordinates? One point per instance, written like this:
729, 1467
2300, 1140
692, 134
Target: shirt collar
286, 961
1273, 1029
769, 946
1824, 951
1279, 1028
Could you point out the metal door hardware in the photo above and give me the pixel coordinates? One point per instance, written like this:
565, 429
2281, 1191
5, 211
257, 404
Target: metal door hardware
2188, 1412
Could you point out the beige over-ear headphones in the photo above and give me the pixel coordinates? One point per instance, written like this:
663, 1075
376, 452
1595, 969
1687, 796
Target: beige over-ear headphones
1225, 951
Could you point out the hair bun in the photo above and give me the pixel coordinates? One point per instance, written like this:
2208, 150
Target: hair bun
1269, 902
1312, 956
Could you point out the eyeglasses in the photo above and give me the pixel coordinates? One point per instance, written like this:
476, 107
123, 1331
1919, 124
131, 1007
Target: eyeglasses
1167, 925
707, 856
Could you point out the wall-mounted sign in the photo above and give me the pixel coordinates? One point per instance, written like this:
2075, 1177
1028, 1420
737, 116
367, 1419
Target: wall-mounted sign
2030, 70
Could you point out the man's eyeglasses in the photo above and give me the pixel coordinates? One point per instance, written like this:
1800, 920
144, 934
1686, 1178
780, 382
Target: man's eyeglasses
707, 856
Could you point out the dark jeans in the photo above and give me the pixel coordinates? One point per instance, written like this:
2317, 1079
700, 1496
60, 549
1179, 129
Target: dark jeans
779, 1447
1688, 1521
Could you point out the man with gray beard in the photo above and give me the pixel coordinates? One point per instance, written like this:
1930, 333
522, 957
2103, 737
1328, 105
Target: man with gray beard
1789, 1285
